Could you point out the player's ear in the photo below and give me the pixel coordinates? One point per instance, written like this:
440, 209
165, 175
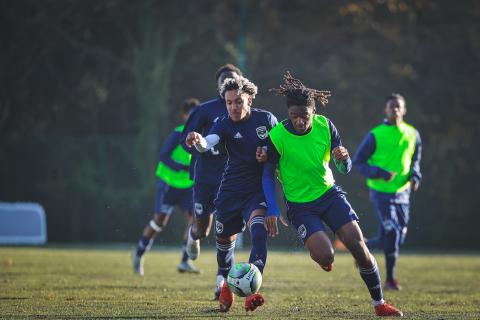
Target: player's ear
250, 100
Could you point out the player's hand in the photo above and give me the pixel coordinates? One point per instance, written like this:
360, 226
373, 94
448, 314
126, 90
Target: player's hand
193, 138
392, 176
414, 185
271, 225
340, 153
261, 154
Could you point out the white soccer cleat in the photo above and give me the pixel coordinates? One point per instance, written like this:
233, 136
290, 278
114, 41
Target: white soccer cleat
218, 286
193, 246
187, 267
137, 263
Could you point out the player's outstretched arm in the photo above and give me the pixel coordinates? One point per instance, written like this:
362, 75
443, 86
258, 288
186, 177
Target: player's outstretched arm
200, 143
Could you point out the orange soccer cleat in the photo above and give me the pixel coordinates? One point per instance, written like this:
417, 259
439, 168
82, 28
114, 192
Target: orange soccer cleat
253, 302
387, 310
226, 298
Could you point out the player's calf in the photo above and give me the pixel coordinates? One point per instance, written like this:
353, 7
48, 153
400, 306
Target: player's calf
193, 246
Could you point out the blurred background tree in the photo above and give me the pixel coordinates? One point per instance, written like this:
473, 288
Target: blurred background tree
89, 90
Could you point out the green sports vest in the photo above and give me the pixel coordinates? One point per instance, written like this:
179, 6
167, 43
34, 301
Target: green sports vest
303, 165
394, 149
176, 179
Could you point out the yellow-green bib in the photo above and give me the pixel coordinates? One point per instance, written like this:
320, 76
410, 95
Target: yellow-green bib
303, 165
394, 149
176, 179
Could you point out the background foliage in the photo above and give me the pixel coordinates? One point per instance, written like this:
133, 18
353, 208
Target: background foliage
89, 89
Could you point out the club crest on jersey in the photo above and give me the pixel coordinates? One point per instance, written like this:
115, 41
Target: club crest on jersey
198, 208
262, 132
302, 231
218, 227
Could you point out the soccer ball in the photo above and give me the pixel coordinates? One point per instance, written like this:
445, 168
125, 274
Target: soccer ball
244, 279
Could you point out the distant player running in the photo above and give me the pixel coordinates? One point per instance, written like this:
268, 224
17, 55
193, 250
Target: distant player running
240, 200
302, 146
174, 188
206, 168
389, 157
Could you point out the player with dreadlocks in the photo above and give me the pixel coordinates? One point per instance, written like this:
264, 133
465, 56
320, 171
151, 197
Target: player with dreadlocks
301, 146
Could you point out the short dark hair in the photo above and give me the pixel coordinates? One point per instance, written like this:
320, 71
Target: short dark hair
227, 67
298, 94
395, 96
189, 104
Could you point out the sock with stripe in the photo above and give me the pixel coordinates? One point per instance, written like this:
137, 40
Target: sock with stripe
144, 245
225, 256
258, 254
371, 277
184, 252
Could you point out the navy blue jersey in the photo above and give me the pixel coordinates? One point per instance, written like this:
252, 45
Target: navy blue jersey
243, 173
206, 167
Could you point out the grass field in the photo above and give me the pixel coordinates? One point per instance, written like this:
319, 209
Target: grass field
58, 283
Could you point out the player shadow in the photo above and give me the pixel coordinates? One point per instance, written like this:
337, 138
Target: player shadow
14, 298
208, 312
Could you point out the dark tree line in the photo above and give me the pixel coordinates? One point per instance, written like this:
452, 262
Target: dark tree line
89, 89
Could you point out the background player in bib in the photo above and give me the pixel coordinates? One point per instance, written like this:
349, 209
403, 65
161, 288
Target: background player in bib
174, 188
389, 157
206, 168
240, 200
302, 146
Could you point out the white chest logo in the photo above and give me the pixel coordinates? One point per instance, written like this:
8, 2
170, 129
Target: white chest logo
262, 132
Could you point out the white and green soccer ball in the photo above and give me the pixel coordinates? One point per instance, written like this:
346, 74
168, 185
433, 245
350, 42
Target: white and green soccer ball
244, 279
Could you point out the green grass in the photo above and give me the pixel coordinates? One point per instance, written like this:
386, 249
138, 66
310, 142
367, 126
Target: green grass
58, 283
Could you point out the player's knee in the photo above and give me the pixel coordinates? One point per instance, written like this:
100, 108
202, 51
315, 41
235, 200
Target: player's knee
323, 258
160, 220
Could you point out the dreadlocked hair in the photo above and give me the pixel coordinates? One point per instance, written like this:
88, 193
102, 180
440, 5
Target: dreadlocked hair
298, 94
239, 83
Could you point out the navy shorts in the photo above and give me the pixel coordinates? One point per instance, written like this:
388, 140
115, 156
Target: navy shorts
332, 208
393, 216
168, 198
203, 197
233, 220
